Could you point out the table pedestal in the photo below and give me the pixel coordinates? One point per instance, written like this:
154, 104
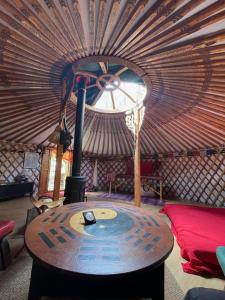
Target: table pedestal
144, 284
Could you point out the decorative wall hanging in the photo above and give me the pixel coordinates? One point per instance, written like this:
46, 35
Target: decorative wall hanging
31, 160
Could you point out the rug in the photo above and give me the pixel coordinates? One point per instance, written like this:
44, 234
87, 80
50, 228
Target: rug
14, 282
130, 197
199, 231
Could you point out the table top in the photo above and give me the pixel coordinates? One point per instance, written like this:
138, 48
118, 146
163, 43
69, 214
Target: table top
124, 239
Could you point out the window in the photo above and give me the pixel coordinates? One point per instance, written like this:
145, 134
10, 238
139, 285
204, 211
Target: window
65, 171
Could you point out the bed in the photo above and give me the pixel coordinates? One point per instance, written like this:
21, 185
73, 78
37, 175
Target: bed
199, 231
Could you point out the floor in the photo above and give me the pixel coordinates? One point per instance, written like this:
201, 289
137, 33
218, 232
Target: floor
16, 209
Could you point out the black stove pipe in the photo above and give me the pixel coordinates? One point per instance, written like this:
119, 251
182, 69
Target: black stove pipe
75, 184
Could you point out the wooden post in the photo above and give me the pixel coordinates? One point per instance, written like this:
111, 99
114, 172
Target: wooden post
43, 185
137, 162
57, 180
110, 187
160, 189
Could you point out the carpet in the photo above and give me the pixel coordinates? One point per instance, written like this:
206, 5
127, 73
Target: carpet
130, 197
14, 282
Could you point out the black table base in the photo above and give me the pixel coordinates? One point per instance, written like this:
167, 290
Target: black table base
46, 282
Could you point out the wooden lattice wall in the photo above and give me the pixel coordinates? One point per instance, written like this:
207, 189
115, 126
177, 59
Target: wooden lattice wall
195, 178
87, 170
11, 162
119, 167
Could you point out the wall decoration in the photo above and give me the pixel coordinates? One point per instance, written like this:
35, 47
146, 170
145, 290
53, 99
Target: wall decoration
31, 160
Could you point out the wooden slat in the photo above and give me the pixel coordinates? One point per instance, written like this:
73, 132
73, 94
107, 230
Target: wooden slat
177, 47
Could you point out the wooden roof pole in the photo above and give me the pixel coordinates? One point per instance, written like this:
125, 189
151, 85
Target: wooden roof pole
137, 160
59, 155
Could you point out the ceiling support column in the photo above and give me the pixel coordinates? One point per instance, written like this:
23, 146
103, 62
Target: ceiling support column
137, 161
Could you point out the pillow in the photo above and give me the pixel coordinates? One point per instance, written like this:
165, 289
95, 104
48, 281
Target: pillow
147, 168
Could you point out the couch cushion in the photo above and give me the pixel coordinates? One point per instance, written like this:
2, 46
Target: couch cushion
6, 226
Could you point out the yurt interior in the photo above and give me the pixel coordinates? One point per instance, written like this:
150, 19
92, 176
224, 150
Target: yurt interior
112, 149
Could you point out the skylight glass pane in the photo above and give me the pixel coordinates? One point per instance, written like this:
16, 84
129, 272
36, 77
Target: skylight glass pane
136, 91
105, 101
122, 100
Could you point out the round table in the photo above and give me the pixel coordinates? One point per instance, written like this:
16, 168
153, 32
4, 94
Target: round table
123, 251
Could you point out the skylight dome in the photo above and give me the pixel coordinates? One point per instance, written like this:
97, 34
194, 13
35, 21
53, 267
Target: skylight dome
113, 87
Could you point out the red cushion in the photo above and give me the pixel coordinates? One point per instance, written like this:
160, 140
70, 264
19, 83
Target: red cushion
6, 227
199, 231
147, 168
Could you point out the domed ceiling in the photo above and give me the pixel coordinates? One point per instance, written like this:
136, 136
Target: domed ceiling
176, 47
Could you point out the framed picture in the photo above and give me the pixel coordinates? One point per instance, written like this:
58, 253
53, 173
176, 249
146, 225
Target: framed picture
31, 160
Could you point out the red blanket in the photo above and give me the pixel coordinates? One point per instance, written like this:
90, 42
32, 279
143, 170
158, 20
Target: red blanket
199, 231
